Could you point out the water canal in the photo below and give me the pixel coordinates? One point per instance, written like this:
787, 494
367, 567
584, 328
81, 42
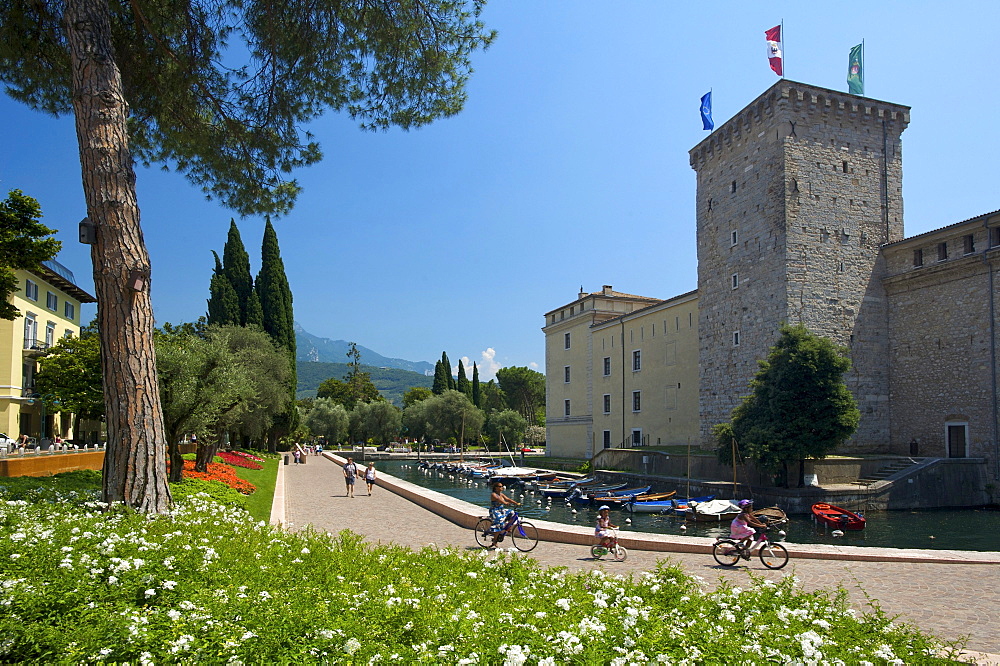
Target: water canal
965, 529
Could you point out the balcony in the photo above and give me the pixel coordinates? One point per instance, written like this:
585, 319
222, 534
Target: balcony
35, 347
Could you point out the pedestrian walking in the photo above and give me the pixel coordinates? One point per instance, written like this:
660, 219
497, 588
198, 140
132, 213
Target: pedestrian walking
297, 454
370, 477
350, 474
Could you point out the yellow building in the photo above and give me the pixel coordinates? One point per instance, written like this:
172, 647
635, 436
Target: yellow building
621, 369
49, 301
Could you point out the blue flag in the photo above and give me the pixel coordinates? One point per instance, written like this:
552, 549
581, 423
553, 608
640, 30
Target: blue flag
706, 111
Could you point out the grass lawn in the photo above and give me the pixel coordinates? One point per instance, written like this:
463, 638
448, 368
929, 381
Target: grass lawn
259, 504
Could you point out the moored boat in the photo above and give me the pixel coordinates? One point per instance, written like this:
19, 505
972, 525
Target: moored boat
616, 498
681, 505
772, 515
712, 511
834, 516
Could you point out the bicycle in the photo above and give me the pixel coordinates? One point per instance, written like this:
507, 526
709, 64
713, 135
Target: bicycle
616, 550
521, 532
728, 552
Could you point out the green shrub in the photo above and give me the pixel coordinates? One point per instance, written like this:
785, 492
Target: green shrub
217, 490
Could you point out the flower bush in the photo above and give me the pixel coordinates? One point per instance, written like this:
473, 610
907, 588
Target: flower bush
205, 583
238, 460
219, 472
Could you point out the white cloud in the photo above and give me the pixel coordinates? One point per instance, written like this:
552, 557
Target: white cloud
533, 365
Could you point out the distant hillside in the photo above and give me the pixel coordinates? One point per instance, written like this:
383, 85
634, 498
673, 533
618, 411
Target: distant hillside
315, 349
390, 382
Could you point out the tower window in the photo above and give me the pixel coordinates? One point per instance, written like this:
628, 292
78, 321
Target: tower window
636, 360
969, 244
566, 341
994, 236
736, 280
636, 401
607, 366
736, 338
733, 238
844, 166
607, 403
918, 258
733, 187
942, 251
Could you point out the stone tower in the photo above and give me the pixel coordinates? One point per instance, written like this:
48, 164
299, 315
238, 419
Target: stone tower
796, 195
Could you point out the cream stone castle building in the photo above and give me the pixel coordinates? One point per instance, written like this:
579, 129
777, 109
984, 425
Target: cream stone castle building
799, 220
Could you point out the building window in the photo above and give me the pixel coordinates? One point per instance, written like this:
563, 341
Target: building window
636, 360
566, 374
69, 310
942, 251
30, 331
736, 338
607, 366
732, 188
733, 238
918, 258
566, 341
969, 243
607, 439
67, 334
736, 280
636, 437
50, 334
607, 403
994, 236
566, 407
51, 301
30, 290
636, 401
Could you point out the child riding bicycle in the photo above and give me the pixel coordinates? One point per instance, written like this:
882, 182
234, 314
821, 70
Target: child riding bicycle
604, 528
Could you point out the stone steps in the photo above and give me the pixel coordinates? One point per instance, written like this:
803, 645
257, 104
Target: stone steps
891, 469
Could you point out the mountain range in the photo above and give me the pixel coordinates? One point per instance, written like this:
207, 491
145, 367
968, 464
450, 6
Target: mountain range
314, 349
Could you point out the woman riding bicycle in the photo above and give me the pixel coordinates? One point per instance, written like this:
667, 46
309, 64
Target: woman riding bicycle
499, 513
743, 525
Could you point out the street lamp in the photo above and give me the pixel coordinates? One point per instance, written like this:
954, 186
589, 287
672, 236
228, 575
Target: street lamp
42, 398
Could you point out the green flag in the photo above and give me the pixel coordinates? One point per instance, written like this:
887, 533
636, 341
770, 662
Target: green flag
855, 71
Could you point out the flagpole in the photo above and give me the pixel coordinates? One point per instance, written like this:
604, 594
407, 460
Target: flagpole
784, 50
863, 67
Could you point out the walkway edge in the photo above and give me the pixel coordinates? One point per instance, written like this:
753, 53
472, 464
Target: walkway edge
467, 515
278, 503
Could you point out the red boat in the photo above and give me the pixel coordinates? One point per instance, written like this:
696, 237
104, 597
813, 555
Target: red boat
834, 516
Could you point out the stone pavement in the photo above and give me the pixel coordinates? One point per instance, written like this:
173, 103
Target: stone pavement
948, 600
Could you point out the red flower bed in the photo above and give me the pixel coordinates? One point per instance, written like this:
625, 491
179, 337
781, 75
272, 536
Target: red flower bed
237, 459
220, 472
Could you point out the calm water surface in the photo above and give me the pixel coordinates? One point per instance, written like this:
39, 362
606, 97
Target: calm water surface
965, 529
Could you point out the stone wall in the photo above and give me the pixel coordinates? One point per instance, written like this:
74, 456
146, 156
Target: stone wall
942, 339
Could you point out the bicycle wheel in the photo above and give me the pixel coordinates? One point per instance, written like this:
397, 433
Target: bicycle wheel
619, 553
482, 529
598, 551
525, 536
726, 553
773, 555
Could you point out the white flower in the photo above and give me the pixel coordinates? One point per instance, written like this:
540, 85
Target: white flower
150, 593
352, 645
304, 551
541, 614
563, 603
174, 614
472, 574
169, 584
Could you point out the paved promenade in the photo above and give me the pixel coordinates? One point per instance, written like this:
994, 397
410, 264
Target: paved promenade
950, 600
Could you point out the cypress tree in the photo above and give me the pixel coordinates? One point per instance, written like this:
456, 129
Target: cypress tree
223, 306
462, 385
440, 384
447, 370
277, 317
274, 293
477, 394
236, 266
255, 313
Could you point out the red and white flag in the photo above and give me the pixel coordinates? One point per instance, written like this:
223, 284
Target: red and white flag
773, 37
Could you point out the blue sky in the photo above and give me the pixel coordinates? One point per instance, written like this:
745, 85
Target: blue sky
567, 168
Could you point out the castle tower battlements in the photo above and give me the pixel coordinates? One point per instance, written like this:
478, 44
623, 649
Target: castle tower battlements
797, 193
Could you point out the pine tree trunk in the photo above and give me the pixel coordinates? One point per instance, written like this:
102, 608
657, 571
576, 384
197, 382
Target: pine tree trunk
135, 462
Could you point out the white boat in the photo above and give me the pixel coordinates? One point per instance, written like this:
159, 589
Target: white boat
712, 511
